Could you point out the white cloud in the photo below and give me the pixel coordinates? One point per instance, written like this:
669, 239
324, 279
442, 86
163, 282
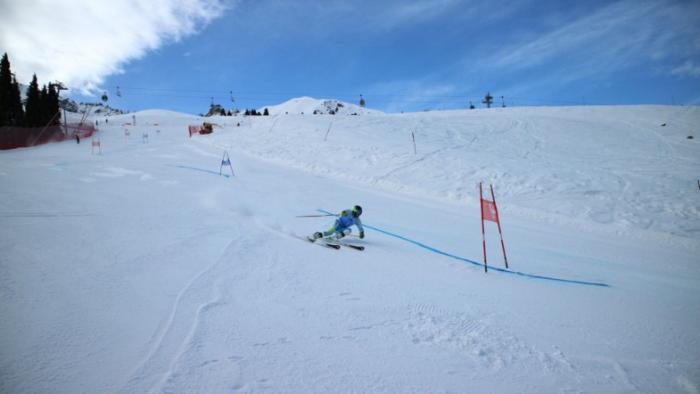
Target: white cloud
688, 68
390, 15
607, 33
409, 12
411, 95
82, 42
617, 36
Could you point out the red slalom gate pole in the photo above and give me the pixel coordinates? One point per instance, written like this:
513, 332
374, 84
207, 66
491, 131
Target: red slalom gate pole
483, 232
498, 222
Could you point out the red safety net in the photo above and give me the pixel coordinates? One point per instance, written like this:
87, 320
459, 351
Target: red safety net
19, 137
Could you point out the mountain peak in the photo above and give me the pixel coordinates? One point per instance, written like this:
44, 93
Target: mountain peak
312, 106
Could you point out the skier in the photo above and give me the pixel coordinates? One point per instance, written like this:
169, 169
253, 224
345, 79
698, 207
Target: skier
341, 227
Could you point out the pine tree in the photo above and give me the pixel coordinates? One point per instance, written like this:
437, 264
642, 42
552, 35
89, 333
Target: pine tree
266, 112
33, 105
11, 110
43, 106
16, 108
52, 106
5, 91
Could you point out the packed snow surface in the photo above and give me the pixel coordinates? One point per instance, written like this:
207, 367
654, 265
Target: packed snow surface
144, 265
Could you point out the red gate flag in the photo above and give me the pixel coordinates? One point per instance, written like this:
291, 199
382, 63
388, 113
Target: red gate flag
489, 210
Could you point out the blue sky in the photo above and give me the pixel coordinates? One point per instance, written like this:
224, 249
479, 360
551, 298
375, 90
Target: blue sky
400, 55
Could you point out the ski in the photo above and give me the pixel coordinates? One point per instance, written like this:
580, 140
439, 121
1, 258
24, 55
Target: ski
332, 243
356, 247
340, 243
324, 243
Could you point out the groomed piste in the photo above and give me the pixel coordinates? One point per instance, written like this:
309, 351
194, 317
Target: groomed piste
151, 267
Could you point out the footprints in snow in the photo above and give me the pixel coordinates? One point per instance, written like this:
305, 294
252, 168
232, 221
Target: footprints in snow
427, 325
476, 339
280, 341
347, 296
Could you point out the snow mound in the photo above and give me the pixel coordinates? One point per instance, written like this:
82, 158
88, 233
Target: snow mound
310, 106
95, 109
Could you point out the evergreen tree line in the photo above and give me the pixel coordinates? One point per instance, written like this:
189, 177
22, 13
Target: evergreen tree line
39, 109
252, 112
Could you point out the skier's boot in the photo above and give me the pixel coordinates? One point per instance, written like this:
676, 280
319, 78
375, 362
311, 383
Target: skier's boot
317, 235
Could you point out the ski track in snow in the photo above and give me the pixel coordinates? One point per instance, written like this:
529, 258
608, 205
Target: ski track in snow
176, 335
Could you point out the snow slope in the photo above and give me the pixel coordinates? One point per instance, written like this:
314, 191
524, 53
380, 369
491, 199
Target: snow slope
144, 270
603, 168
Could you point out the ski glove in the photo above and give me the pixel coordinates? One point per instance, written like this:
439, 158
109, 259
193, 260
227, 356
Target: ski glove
362, 234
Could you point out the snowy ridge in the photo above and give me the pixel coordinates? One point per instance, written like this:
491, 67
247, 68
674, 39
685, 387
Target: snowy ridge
98, 109
312, 106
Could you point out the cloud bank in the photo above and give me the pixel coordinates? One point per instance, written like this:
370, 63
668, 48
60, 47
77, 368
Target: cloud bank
81, 43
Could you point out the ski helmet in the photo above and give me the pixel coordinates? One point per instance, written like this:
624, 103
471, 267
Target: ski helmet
356, 211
